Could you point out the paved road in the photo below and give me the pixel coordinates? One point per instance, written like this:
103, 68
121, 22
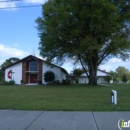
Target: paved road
60, 120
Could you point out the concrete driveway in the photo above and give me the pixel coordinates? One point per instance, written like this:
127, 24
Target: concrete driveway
61, 120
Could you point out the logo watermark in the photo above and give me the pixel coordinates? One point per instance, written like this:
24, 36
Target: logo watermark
123, 124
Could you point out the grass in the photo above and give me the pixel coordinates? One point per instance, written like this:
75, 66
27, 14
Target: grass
64, 98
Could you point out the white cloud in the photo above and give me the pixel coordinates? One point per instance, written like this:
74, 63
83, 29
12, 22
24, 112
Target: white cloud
16, 44
1, 62
12, 5
7, 4
115, 60
114, 63
36, 1
106, 67
7, 52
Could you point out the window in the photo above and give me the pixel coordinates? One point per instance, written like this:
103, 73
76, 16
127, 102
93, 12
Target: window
33, 65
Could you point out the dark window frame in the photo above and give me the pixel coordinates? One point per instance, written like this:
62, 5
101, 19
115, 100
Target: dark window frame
33, 65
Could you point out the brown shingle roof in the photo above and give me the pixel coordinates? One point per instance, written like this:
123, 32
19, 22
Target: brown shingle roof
34, 57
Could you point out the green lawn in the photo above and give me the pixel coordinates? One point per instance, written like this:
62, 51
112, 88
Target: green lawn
66, 98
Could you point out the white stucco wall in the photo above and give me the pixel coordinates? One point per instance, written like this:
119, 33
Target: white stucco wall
63, 75
17, 75
101, 80
99, 73
59, 75
83, 80
100, 77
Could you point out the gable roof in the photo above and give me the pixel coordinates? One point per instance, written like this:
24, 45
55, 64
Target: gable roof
25, 58
34, 57
105, 72
98, 70
84, 74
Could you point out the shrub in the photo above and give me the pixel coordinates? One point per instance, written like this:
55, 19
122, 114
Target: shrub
56, 82
39, 82
11, 82
49, 77
22, 81
65, 81
108, 78
4, 82
76, 81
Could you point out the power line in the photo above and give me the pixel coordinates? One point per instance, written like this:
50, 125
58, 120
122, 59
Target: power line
9, 1
20, 7
38, 5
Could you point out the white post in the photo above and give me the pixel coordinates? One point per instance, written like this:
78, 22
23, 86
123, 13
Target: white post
112, 96
115, 97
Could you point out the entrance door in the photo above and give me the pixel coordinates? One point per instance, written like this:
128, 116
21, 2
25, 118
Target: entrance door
33, 78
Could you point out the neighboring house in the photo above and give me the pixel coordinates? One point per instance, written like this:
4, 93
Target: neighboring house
31, 70
84, 79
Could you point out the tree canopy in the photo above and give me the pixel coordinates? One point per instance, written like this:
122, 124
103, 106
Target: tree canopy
124, 79
9, 62
108, 78
120, 74
114, 75
87, 31
5, 64
78, 72
121, 71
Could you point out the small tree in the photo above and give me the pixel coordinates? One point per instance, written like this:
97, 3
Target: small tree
108, 78
77, 73
22, 81
49, 77
114, 75
124, 78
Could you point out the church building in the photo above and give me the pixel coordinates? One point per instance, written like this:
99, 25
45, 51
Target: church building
31, 70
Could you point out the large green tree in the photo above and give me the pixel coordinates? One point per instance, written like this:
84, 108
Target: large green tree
88, 31
121, 71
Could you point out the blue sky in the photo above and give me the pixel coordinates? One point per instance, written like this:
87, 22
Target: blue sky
19, 37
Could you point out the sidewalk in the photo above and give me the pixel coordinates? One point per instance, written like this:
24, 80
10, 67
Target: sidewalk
60, 120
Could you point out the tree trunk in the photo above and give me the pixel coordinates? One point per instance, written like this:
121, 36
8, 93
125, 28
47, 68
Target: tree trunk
91, 72
92, 77
92, 66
